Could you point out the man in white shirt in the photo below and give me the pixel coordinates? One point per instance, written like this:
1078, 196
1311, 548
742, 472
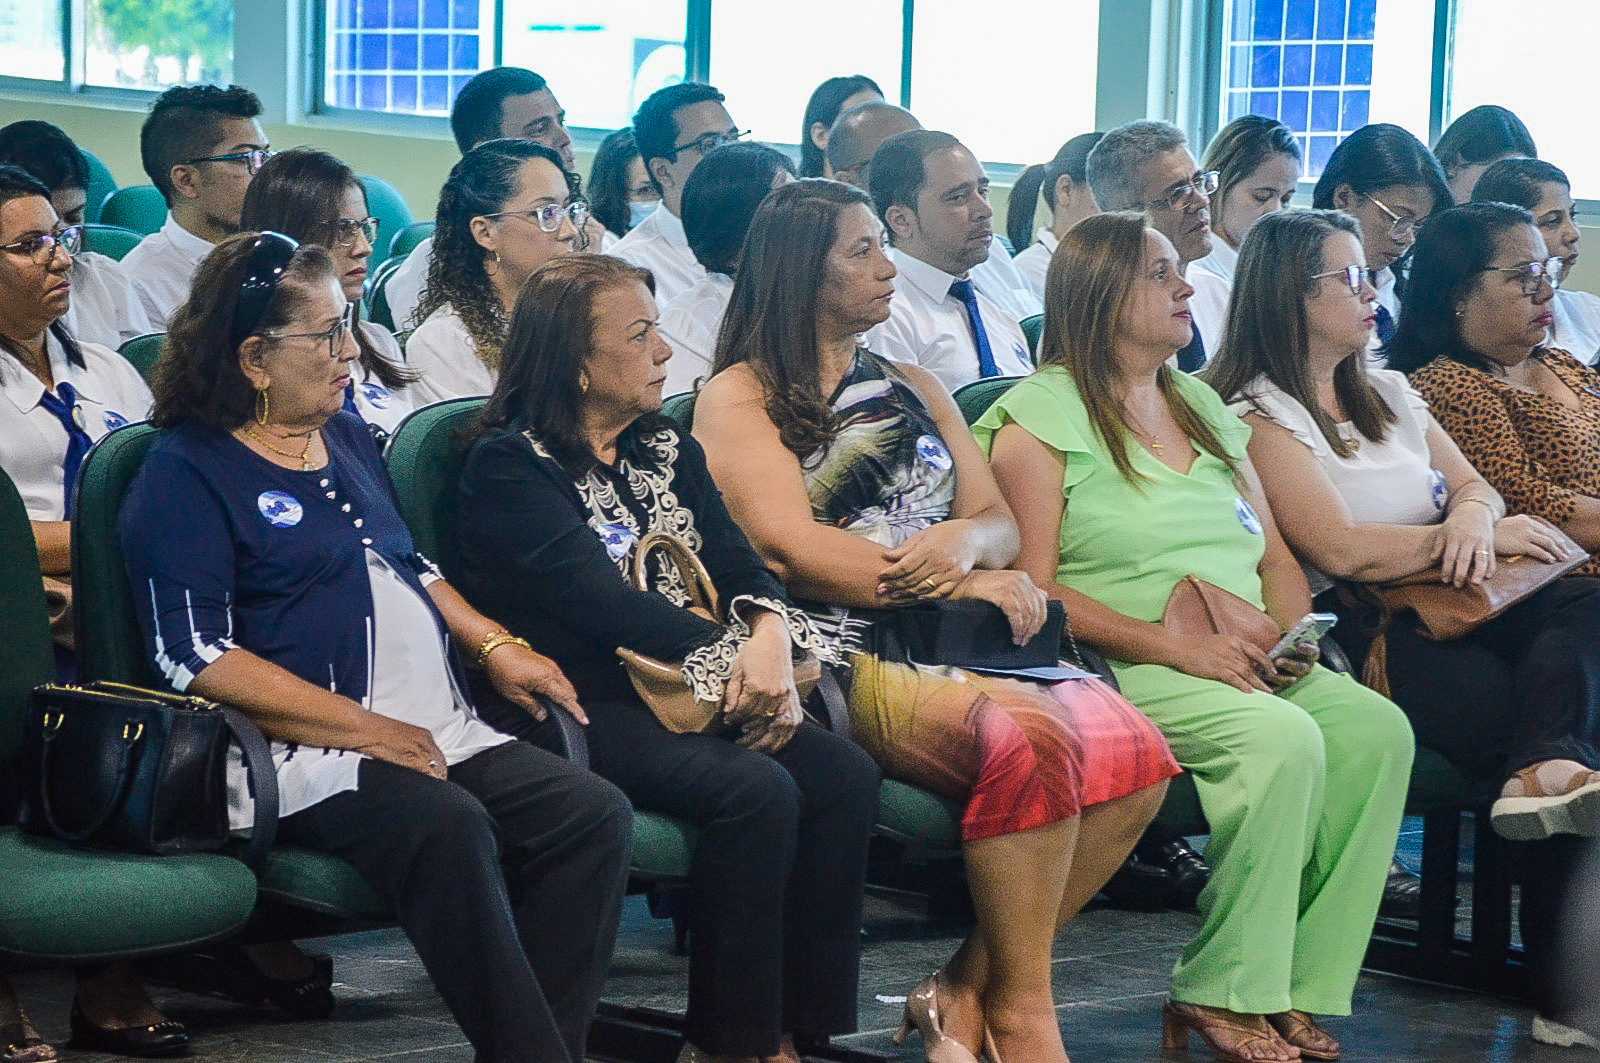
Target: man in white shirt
856, 136
200, 145
675, 128
506, 102
1146, 166
933, 198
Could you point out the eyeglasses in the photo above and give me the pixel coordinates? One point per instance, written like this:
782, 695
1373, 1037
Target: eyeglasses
1532, 274
1399, 228
549, 216
269, 260
42, 248
253, 159
1203, 183
346, 230
334, 336
1355, 276
706, 143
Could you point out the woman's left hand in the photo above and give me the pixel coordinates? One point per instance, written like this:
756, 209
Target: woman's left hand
930, 563
522, 675
762, 681
1295, 664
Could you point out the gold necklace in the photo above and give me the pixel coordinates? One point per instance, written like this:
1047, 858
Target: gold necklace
304, 457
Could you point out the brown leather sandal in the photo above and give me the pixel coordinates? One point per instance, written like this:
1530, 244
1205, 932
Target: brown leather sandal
1178, 1019
20, 1043
1539, 813
1302, 1031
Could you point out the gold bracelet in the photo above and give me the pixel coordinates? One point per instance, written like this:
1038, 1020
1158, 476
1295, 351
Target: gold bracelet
494, 640
1473, 498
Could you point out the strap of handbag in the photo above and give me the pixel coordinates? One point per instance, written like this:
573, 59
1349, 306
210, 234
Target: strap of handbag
697, 581
1376, 618
119, 792
263, 775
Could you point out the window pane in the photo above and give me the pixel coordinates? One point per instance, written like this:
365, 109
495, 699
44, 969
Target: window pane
601, 57
768, 86
155, 44
30, 39
1325, 68
1511, 62
410, 56
1046, 75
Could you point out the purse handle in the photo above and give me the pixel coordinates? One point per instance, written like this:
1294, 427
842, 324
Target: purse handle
697, 581
132, 732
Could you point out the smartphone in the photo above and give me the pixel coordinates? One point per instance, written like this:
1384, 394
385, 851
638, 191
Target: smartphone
1311, 628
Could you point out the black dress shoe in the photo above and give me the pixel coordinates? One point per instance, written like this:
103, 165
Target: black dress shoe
165, 1038
1139, 887
1188, 869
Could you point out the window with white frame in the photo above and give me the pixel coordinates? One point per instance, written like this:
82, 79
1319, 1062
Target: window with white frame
145, 45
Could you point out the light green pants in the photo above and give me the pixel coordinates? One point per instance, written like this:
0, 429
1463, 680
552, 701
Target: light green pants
1304, 793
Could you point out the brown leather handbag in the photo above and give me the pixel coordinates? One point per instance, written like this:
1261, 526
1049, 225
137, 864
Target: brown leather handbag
660, 684
1197, 608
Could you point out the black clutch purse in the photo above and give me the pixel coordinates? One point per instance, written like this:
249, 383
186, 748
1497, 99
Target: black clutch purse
118, 767
966, 634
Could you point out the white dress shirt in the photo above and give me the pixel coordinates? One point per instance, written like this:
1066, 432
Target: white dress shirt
659, 245
375, 403
1034, 262
161, 269
1211, 278
33, 441
104, 308
690, 324
443, 352
928, 326
998, 277
1576, 328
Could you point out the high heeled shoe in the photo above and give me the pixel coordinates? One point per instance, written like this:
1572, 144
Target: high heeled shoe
1301, 1030
20, 1043
1178, 1019
922, 1012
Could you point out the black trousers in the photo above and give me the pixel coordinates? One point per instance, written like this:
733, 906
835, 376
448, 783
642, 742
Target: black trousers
508, 879
778, 870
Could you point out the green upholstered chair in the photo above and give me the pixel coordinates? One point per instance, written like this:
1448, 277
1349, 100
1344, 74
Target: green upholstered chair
64, 905
137, 207
113, 241
425, 461
101, 185
406, 240
111, 647
974, 399
378, 310
385, 203
144, 352
681, 409
1033, 328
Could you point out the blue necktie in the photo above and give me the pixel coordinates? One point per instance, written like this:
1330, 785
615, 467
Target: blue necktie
1385, 324
963, 290
1192, 357
350, 398
65, 408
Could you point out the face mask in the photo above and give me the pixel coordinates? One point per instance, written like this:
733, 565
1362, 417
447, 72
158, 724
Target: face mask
640, 209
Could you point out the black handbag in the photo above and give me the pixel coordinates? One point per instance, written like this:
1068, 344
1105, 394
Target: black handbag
967, 633
119, 767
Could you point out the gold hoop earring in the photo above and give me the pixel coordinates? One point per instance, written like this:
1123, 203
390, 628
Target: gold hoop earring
263, 406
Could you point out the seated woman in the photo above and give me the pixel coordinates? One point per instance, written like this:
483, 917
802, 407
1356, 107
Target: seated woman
295, 594
1064, 182
719, 199
1128, 478
1369, 488
1547, 194
858, 481
620, 192
312, 197
1257, 161
507, 208
1475, 141
1387, 180
828, 101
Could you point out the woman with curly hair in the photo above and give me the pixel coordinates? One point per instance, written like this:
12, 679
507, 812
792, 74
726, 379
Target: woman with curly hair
507, 208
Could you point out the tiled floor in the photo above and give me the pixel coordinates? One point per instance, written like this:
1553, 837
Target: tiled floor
1110, 977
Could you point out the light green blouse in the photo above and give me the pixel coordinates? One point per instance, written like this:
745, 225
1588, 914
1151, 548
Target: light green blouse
1127, 544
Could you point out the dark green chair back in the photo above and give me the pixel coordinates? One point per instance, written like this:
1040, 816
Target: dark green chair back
137, 207
26, 660
974, 399
101, 185
109, 643
681, 409
378, 294
406, 240
1033, 328
385, 203
113, 241
425, 460
144, 352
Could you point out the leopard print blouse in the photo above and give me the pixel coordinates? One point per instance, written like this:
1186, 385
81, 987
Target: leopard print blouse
1539, 453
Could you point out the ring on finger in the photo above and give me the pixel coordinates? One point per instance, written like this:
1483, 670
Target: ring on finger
928, 583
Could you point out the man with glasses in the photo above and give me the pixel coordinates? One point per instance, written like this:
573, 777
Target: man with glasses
675, 128
200, 145
1146, 166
